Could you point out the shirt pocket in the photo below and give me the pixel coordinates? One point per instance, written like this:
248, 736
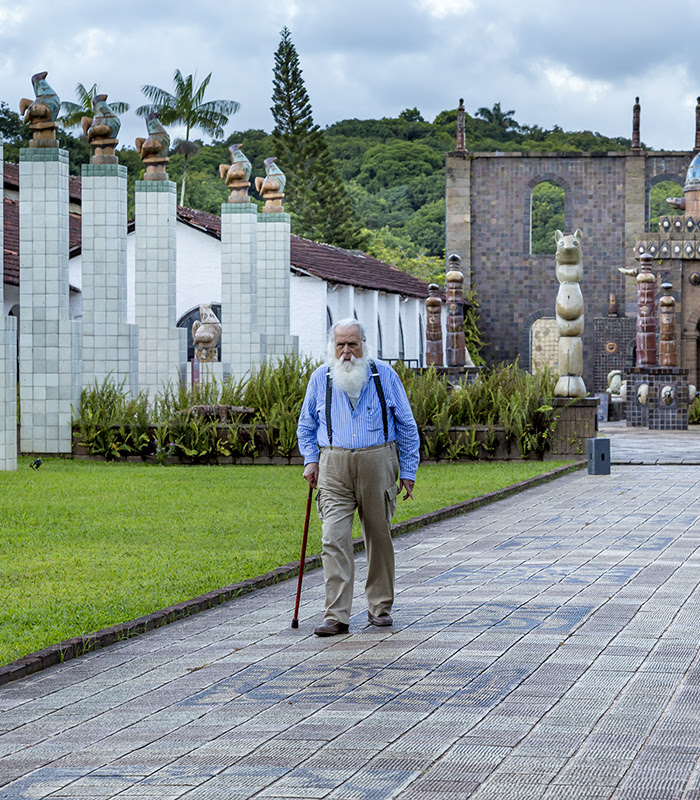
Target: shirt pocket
374, 419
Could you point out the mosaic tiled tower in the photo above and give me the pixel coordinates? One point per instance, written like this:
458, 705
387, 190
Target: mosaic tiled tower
273, 285
240, 339
8, 378
110, 345
49, 341
162, 346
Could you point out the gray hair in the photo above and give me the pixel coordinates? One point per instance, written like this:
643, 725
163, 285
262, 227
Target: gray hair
350, 322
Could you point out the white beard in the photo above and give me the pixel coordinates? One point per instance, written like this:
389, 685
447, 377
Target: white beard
349, 376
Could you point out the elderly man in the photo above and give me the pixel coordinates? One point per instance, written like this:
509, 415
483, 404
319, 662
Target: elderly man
358, 438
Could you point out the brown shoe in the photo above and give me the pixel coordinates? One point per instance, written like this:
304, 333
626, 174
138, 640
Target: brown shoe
331, 627
382, 621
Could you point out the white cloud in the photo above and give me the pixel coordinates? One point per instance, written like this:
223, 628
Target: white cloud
446, 8
574, 87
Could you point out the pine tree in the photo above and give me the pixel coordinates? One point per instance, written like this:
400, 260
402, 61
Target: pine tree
319, 206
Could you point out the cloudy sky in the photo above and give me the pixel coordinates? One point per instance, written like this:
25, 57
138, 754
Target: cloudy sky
574, 64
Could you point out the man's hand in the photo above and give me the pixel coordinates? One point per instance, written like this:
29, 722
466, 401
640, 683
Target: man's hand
404, 483
311, 474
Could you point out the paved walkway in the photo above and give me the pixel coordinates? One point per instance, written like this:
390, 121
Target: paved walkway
642, 446
545, 648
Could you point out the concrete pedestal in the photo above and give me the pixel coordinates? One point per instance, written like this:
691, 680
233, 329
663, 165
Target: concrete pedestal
110, 345
49, 374
8, 377
241, 348
273, 285
162, 351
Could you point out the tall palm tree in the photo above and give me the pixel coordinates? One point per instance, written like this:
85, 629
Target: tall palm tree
496, 116
72, 113
187, 107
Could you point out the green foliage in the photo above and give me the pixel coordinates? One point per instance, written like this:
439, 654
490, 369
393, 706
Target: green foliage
319, 206
658, 207
547, 209
187, 107
73, 113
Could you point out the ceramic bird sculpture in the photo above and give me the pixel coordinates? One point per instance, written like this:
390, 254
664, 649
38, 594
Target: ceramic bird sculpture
105, 124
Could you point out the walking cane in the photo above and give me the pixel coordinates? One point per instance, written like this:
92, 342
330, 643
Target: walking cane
295, 621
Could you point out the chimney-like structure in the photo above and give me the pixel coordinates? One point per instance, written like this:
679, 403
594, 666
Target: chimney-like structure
636, 112
461, 128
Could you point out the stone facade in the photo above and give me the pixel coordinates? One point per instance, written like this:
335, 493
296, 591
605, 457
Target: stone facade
655, 414
110, 345
488, 224
8, 378
162, 346
49, 341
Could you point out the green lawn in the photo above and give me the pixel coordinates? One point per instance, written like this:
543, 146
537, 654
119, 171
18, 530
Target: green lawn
85, 545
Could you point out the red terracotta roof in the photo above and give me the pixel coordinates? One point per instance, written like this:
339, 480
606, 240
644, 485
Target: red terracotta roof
10, 250
329, 263
12, 182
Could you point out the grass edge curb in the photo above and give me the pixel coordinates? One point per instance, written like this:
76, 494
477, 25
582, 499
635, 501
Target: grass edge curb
79, 645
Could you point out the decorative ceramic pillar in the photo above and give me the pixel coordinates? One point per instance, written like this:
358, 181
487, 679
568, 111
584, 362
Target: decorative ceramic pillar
8, 376
646, 321
49, 342
162, 346
433, 336
110, 345
668, 351
461, 146
569, 315
456, 351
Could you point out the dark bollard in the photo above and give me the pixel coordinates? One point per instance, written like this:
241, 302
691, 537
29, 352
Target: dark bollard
599, 456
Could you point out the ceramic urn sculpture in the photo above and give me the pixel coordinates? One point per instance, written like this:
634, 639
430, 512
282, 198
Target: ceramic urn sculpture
569, 313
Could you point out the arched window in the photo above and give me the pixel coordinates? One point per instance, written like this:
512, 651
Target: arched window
546, 217
658, 207
186, 321
329, 320
379, 337
402, 344
544, 344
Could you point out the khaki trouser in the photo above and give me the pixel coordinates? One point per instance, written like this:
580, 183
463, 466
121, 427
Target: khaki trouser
365, 480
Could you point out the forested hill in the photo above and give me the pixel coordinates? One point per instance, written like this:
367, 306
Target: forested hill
393, 169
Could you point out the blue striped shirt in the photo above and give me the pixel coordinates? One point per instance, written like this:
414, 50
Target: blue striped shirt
362, 427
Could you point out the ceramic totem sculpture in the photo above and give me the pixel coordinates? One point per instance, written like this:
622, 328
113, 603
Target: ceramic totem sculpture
206, 334
433, 336
668, 351
237, 175
646, 320
569, 313
41, 113
454, 280
271, 187
101, 131
154, 150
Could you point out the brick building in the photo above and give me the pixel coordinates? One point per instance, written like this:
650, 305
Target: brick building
606, 195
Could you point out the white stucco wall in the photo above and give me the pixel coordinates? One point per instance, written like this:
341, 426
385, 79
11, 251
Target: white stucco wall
307, 314
199, 281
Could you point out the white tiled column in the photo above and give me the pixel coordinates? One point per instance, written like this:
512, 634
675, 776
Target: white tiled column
162, 350
48, 369
273, 285
240, 339
110, 345
8, 376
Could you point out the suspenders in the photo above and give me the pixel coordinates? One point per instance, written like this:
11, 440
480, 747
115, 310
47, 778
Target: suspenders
380, 394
